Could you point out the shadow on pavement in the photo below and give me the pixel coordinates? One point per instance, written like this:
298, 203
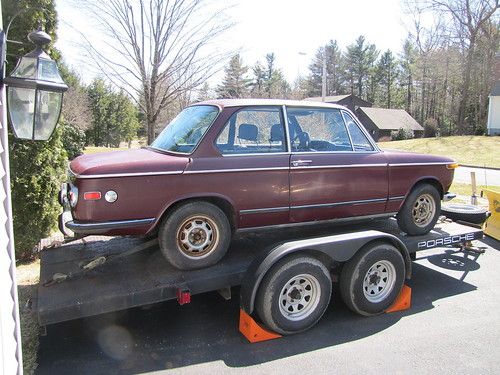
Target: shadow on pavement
167, 335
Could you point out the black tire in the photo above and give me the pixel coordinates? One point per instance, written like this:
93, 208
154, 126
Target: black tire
423, 197
195, 235
465, 212
373, 261
312, 287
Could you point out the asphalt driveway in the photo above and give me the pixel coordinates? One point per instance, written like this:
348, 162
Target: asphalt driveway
453, 326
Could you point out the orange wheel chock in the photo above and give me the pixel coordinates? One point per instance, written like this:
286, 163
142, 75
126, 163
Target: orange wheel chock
253, 331
403, 302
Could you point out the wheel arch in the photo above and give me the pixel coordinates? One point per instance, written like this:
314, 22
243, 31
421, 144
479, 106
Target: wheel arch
329, 250
217, 200
431, 180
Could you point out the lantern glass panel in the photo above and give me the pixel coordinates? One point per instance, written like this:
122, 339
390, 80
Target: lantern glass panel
47, 71
21, 104
48, 107
26, 68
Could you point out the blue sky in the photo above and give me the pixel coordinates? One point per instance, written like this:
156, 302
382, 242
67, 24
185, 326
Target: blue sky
262, 26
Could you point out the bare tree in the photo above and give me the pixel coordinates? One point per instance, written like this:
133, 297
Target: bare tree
157, 50
76, 108
469, 18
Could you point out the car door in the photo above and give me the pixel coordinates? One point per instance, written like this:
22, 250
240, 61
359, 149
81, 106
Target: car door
336, 170
252, 167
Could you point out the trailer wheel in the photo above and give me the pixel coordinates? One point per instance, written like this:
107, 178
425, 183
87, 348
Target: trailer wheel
372, 279
420, 211
195, 235
294, 294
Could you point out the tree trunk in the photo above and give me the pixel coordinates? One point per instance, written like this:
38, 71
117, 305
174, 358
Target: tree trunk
464, 98
151, 130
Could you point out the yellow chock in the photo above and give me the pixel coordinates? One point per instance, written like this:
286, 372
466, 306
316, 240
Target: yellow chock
403, 302
492, 225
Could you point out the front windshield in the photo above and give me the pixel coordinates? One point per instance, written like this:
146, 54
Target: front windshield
186, 130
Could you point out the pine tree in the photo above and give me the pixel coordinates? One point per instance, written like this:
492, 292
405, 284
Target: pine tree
259, 74
235, 84
387, 74
407, 68
361, 57
334, 66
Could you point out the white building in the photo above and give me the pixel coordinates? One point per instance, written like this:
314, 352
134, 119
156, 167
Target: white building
493, 124
493, 127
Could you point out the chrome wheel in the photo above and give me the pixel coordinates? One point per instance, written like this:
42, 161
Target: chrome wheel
423, 210
197, 236
379, 281
299, 297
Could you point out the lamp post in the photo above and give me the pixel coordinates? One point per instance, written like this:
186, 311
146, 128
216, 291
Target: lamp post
35, 92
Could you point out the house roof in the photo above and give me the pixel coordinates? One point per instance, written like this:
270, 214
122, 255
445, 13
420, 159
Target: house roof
495, 91
391, 119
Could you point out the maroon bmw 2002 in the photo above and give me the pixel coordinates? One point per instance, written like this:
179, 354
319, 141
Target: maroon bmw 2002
224, 165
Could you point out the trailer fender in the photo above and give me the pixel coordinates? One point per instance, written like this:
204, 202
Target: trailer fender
337, 248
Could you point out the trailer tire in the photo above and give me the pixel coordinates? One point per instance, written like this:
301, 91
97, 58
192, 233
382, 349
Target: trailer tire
294, 294
195, 235
371, 281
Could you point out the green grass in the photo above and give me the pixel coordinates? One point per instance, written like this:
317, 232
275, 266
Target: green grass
469, 150
466, 189
27, 281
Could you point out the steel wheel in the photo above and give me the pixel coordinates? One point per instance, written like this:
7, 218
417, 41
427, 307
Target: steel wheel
423, 210
299, 297
379, 281
197, 236
293, 294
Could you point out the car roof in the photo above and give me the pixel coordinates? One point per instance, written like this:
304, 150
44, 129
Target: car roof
267, 102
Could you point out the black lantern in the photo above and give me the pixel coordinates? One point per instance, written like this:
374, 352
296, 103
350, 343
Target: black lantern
35, 92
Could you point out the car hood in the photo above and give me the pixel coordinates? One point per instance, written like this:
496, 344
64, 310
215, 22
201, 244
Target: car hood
135, 161
396, 156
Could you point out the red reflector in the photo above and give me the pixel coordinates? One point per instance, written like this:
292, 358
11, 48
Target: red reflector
92, 195
183, 296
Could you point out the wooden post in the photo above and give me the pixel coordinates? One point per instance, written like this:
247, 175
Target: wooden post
473, 198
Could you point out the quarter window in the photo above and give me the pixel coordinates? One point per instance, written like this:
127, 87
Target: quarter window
359, 139
317, 129
253, 130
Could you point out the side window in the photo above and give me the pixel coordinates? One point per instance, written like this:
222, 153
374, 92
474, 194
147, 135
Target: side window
253, 130
359, 139
321, 129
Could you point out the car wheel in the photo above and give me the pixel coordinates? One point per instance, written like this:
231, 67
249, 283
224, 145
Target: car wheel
372, 280
420, 211
465, 212
195, 235
294, 294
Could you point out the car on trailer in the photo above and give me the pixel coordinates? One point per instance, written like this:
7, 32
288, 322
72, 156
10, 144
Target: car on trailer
285, 276
225, 165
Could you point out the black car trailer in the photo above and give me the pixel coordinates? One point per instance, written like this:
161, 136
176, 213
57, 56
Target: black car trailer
285, 274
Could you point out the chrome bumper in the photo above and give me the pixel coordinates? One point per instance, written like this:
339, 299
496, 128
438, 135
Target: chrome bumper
102, 227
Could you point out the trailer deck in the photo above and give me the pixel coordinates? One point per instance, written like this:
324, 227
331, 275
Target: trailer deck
146, 277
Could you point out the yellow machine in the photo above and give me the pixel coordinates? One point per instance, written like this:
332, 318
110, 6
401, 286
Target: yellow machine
492, 225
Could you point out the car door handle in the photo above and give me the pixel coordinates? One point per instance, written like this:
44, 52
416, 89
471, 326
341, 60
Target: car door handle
297, 163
